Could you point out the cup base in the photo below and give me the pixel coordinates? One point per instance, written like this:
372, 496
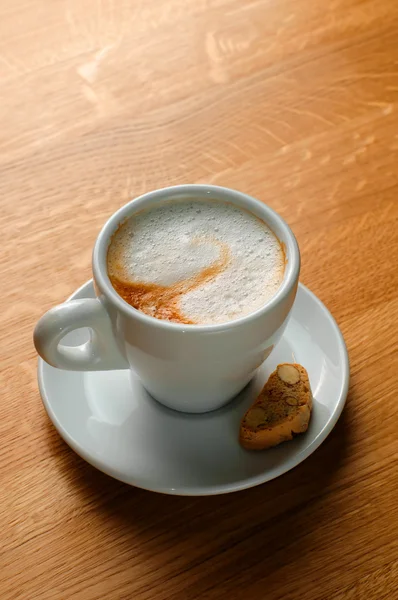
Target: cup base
183, 407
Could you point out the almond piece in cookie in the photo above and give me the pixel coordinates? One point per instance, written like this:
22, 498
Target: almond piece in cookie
282, 410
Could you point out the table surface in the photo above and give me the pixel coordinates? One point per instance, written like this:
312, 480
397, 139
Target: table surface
292, 101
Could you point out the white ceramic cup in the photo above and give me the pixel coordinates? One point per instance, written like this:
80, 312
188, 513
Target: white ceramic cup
191, 368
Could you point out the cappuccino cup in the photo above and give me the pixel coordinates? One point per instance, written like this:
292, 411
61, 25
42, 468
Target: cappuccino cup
194, 287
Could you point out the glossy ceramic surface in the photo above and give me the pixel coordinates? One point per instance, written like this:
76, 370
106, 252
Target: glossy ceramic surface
109, 419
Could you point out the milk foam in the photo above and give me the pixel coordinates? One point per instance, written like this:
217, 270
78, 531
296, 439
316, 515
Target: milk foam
175, 241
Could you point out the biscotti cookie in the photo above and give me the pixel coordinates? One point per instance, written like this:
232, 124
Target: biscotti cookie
281, 411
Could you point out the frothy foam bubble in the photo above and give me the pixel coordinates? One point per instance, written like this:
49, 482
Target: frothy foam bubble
196, 261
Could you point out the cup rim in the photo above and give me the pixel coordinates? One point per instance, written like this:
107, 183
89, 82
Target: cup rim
238, 198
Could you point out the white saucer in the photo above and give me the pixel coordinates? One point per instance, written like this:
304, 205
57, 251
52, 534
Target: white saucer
111, 421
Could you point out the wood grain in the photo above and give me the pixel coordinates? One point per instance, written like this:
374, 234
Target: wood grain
293, 101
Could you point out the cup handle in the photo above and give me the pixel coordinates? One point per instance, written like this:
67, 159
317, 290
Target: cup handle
100, 353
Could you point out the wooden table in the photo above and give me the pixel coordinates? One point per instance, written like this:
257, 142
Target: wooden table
292, 101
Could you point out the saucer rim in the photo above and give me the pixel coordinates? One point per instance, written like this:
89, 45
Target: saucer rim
214, 489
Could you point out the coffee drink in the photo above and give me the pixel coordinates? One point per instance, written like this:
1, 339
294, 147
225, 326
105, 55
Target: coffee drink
197, 262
